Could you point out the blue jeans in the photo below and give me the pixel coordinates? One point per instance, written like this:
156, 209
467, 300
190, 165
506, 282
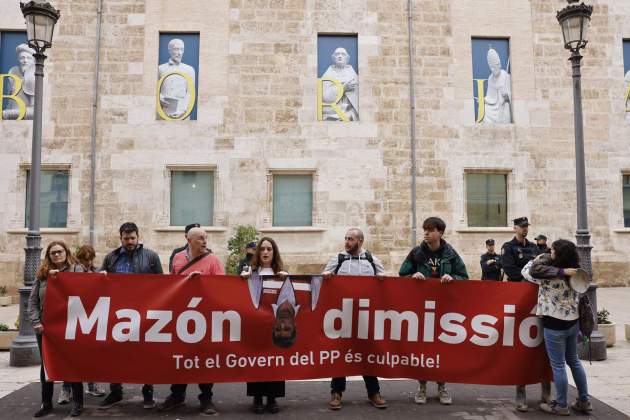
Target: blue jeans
561, 348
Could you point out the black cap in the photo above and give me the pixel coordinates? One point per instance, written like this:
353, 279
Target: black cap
489, 241
251, 245
540, 237
190, 226
521, 221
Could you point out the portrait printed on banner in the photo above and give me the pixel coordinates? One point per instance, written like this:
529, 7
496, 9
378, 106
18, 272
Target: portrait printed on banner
626, 69
285, 299
492, 82
177, 76
337, 78
17, 76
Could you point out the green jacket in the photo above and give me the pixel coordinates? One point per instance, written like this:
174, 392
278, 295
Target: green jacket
418, 261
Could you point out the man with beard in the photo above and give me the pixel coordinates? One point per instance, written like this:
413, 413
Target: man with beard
434, 258
130, 257
515, 254
355, 261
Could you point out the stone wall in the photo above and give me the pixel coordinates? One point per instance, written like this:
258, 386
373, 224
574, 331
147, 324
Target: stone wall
257, 116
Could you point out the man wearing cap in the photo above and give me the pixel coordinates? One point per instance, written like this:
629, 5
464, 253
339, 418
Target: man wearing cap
514, 255
490, 263
250, 251
180, 249
517, 252
541, 243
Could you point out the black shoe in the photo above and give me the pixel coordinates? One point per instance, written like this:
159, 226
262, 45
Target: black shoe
77, 409
272, 405
45, 409
259, 408
110, 400
207, 407
171, 402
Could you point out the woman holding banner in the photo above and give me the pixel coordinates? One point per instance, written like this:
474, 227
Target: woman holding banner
266, 262
57, 258
558, 307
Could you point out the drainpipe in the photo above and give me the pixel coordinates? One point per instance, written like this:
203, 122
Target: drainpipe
412, 110
99, 15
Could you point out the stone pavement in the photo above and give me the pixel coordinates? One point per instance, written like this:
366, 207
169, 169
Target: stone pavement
309, 400
609, 381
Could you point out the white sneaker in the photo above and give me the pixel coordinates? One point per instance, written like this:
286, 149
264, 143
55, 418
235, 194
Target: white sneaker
64, 397
521, 399
421, 394
445, 398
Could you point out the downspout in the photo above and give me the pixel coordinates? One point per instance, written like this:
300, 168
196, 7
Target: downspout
99, 14
412, 110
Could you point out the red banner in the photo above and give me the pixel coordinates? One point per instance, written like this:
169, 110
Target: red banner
165, 329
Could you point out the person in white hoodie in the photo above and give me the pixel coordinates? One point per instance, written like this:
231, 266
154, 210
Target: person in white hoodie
354, 261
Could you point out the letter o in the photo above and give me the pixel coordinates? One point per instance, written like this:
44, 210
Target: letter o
199, 330
191, 101
524, 332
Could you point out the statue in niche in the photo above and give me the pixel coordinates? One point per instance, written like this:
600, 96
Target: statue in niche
498, 97
175, 91
627, 80
341, 70
25, 71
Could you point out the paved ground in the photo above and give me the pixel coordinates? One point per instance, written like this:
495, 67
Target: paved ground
609, 382
308, 400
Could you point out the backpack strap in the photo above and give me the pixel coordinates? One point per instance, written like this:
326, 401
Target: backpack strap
343, 257
193, 261
340, 259
368, 256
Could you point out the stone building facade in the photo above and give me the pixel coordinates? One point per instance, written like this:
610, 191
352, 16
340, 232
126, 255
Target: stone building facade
256, 117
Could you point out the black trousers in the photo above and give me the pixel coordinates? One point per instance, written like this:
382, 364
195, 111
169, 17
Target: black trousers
371, 384
179, 391
265, 389
147, 390
48, 387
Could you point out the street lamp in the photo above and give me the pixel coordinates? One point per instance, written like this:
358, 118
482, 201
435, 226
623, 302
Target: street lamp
574, 20
40, 23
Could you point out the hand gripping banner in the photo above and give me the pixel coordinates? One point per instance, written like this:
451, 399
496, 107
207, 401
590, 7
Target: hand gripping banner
165, 329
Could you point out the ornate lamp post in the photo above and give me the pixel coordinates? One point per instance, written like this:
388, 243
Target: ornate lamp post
574, 21
40, 22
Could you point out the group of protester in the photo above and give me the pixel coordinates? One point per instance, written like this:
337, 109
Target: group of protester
434, 258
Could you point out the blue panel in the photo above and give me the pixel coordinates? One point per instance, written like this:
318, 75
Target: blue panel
191, 57
480, 47
626, 56
9, 40
327, 44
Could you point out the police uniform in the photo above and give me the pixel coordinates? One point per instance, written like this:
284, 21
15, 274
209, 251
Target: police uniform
490, 271
514, 254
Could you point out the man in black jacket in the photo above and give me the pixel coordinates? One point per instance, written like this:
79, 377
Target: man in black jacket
130, 257
514, 255
490, 263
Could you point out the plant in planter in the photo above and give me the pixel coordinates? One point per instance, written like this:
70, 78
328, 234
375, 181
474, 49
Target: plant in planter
4, 299
6, 336
606, 327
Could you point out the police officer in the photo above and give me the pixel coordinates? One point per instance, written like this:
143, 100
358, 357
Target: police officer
541, 243
490, 263
518, 252
514, 255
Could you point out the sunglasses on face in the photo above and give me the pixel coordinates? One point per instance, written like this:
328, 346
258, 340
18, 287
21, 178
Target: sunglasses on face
53, 253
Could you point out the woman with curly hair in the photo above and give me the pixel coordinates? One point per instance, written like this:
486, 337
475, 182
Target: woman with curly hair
558, 308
